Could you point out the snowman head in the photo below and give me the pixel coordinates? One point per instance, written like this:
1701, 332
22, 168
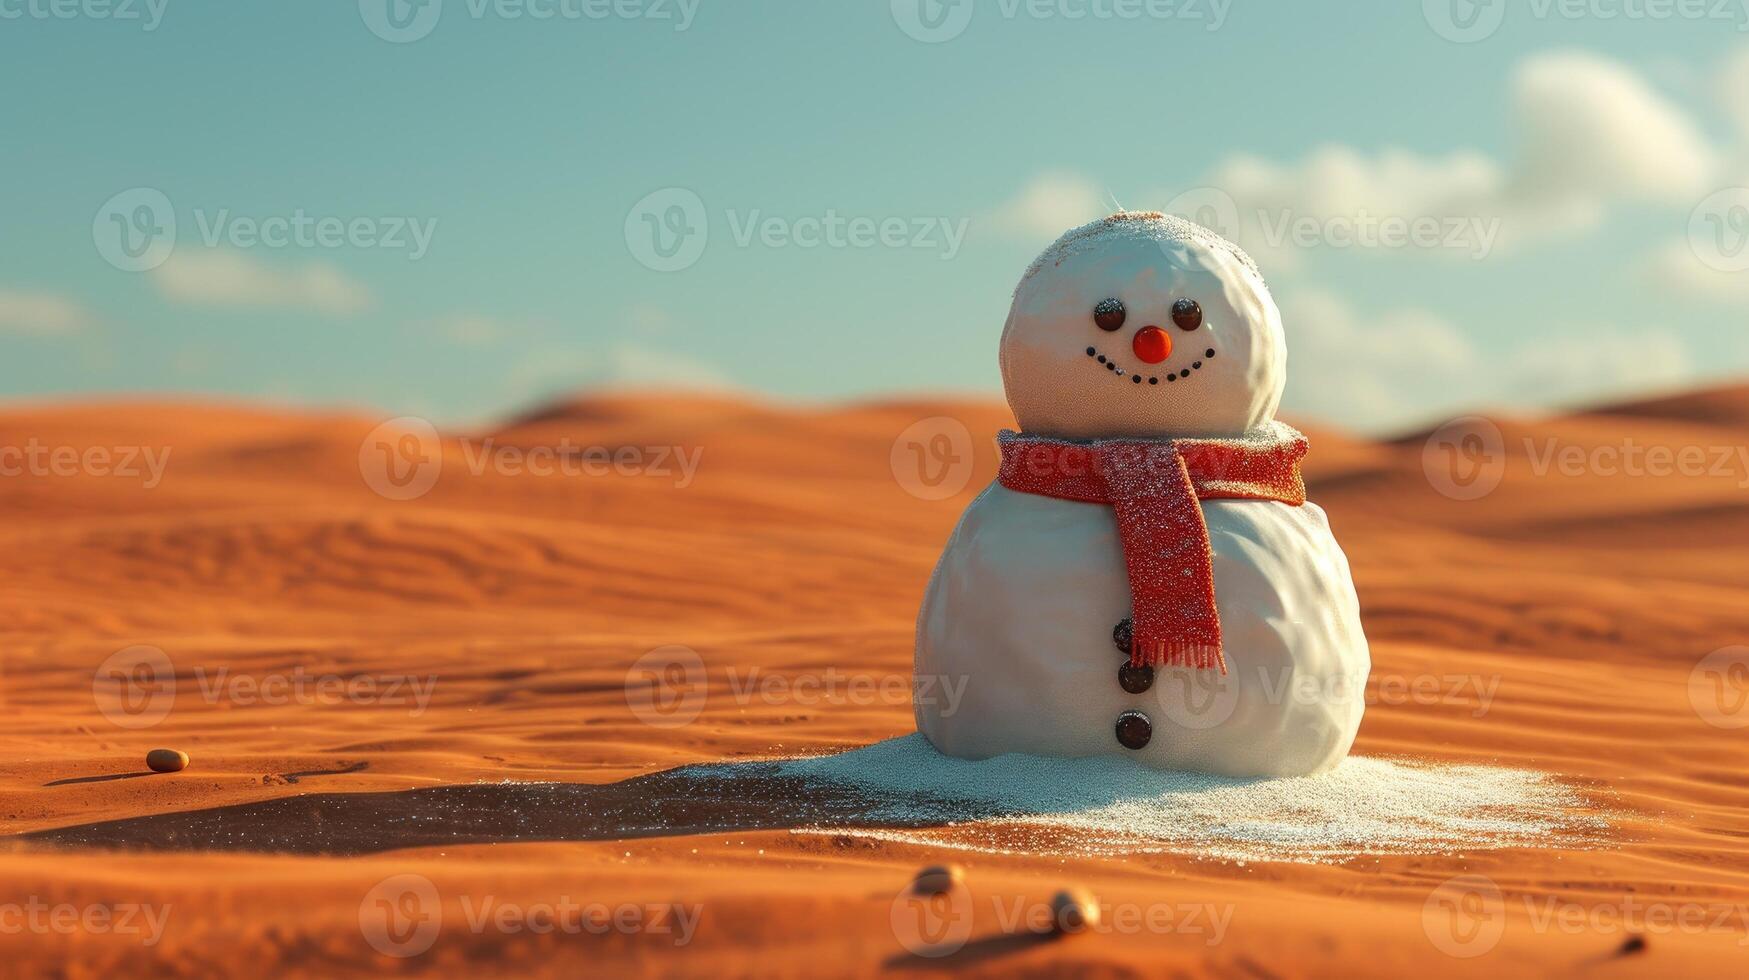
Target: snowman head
1142, 325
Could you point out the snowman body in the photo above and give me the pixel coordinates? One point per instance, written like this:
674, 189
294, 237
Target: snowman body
1020, 613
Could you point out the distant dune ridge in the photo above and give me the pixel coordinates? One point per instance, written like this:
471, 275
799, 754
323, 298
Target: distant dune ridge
491, 628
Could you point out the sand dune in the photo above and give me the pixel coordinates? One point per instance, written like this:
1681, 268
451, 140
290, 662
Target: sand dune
449, 686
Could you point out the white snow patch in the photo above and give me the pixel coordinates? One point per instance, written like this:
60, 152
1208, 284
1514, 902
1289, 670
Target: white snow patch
1110, 805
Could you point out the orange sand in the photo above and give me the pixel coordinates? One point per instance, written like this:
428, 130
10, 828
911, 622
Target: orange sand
524, 600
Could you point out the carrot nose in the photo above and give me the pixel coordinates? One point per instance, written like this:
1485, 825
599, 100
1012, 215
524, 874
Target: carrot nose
1152, 345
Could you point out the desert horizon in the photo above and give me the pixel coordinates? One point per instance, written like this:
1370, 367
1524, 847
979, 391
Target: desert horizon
448, 686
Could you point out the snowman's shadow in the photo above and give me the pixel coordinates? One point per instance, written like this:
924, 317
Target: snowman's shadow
898, 784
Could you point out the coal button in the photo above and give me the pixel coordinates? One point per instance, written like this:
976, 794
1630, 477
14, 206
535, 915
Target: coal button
1135, 680
1121, 634
1134, 729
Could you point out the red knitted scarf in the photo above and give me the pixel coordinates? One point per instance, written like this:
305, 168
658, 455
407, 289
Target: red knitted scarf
1153, 487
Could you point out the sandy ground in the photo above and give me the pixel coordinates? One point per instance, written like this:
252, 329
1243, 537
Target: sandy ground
423, 739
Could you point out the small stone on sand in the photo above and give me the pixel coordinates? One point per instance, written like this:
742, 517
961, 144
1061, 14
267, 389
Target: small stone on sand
938, 879
166, 760
1073, 910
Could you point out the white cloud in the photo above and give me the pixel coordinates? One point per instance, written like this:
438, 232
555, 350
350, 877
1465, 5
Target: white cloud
1675, 267
1591, 134
1389, 370
231, 278
40, 314
1050, 204
1592, 127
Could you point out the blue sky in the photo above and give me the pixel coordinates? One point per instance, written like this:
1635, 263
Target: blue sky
1569, 151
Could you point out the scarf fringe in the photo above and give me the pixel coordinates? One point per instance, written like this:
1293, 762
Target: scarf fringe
1177, 653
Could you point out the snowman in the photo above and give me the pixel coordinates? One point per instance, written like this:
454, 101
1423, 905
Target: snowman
1145, 578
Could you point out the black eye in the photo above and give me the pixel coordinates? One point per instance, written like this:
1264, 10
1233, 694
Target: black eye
1109, 314
1187, 314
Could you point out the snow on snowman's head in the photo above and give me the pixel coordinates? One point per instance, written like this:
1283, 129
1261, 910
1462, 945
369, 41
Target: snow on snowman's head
1142, 325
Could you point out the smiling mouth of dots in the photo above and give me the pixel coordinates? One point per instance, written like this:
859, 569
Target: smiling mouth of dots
1152, 379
